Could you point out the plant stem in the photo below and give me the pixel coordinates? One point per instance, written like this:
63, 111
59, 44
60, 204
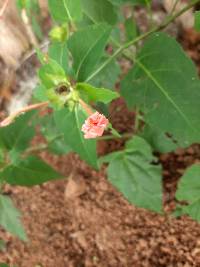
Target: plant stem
143, 36
111, 136
8, 120
41, 147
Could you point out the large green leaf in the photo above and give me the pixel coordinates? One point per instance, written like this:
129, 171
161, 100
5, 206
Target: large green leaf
29, 171
132, 173
100, 11
86, 47
165, 85
92, 94
70, 124
10, 218
65, 10
189, 190
17, 135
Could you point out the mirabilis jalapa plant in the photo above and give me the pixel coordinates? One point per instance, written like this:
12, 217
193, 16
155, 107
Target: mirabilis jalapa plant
162, 87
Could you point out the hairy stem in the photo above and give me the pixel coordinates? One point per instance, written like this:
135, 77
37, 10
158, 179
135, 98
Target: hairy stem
12, 117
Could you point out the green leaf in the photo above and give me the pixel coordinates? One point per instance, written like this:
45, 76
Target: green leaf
92, 94
65, 10
164, 84
29, 171
74, 9
87, 47
70, 124
159, 141
197, 20
59, 53
40, 93
189, 185
17, 135
133, 174
100, 11
54, 137
52, 74
107, 77
189, 190
10, 218
3, 265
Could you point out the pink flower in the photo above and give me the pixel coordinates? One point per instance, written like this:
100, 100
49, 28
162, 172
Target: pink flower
94, 126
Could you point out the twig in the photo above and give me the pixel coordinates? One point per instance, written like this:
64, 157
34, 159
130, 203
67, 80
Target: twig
11, 117
3, 9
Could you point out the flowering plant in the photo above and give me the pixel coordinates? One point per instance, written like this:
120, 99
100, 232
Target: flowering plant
77, 81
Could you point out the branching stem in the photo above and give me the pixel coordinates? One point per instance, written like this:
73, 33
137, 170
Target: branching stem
143, 36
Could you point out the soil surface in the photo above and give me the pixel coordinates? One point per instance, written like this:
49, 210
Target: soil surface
82, 221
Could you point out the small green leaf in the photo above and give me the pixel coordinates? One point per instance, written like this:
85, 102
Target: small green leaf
87, 47
9, 218
40, 93
65, 10
100, 11
29, 171
189, 185
70, 124
189, 190
17, 135
59, 53
197, 20
133, 174
52, 74
92, 94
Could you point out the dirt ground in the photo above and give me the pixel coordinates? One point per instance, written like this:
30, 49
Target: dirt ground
82, 221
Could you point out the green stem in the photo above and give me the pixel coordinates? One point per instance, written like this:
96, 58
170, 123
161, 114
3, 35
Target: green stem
42, 147
111, 136
143, 36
